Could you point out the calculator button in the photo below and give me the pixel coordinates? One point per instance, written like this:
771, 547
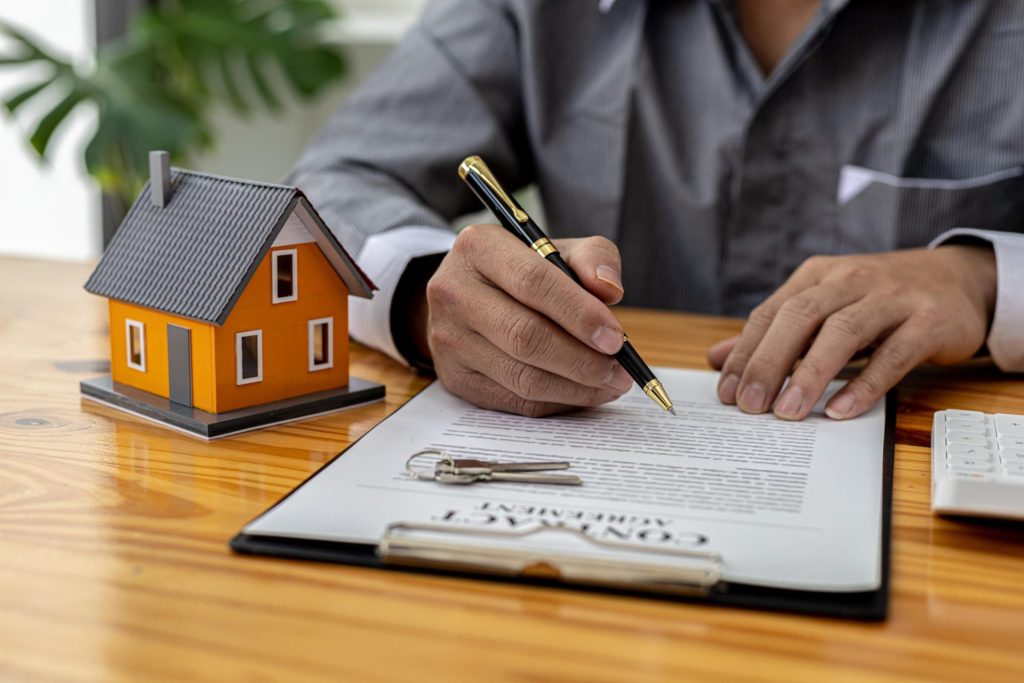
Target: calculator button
966, 426
1013, 442
969, 465
1012, 455
961, 450
1014, 469
971, 415
967, 438
1010, 425
970, 476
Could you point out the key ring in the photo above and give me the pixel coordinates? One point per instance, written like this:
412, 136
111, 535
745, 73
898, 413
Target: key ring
445, 456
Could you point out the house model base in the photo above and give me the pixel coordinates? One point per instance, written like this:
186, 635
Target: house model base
216, 425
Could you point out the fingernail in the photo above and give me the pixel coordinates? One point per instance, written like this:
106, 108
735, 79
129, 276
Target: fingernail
609, 276
840, 407
619, 379
752, 398
608, 340
727, 388
790, 403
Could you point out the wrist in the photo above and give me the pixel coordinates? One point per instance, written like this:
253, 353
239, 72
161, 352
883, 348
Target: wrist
409, 312
977, 264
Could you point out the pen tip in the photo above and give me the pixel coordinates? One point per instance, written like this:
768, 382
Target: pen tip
672, 410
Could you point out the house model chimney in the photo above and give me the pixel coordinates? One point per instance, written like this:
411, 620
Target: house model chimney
159, 178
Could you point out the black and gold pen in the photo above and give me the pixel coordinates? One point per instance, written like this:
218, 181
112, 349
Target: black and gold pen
513, 218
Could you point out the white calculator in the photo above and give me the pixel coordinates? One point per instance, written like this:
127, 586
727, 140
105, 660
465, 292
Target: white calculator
978, 464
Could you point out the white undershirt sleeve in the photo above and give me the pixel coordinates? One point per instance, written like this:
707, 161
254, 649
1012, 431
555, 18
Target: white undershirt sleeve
384, 258
1006, 338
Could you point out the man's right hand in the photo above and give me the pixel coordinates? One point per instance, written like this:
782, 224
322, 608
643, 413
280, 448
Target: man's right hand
509, 331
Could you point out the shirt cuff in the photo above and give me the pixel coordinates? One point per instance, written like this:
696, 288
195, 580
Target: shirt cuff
1006, 337
384, 258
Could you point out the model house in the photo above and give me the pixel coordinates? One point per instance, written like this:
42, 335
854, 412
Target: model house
228, 302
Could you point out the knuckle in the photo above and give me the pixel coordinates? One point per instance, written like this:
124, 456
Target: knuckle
440, 290
811, 369
868, 385
852, 272
762, 315
443, 337
527, 276
846, 325
526, 381
602, 244
928, 314
529, 408
801, 307
525, 338
815, 264
586, 369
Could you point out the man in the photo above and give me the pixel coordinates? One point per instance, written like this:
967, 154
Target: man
790, 160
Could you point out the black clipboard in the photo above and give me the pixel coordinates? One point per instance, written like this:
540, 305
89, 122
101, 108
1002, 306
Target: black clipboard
866, 605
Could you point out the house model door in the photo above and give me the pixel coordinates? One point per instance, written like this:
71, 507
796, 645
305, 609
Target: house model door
179, 364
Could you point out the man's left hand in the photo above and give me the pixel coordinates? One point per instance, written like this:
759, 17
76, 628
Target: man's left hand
907, 307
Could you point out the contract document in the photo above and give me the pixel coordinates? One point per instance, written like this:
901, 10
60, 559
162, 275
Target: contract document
791, 505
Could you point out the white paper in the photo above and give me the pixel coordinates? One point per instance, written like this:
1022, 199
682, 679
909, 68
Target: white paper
785, 504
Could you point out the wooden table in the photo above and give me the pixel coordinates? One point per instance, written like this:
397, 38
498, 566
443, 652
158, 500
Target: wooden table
114, 563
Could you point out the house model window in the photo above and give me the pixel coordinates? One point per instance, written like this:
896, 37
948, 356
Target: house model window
135, 338
285, 276
249, 357
321, 344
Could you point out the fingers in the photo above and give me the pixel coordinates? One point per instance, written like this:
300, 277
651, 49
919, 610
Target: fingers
757, 325
720, 351
505, 262
596, 261
486, 393
532, 383
788, 334
497, 320
894, 358
841, 337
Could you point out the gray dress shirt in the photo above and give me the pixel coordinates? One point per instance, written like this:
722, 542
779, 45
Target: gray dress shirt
887, 124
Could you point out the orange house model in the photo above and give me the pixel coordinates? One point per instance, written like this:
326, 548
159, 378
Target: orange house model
228, 306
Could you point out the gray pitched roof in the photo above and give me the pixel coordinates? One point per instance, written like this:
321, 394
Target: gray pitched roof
194, 256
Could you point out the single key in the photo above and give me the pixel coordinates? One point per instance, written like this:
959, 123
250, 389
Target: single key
971, 415
1014, 469
966, 426
1009, 455
969, 465
1009, 425
966, 438
1012, 442
962, 450
517, 477
472, 466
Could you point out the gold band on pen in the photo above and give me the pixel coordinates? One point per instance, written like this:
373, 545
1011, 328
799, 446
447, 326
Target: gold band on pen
544, 247
656, 392
477, 167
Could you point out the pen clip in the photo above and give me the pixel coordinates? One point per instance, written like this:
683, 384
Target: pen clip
477, 167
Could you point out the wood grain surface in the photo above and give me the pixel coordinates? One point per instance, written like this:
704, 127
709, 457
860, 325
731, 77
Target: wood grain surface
114, 563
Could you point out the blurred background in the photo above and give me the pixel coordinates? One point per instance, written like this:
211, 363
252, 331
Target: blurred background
234, 87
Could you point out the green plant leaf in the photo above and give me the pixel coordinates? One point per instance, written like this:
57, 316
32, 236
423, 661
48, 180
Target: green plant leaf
13, 102
40, 139
269, 98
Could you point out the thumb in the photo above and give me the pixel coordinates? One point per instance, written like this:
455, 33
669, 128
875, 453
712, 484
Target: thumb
596, 261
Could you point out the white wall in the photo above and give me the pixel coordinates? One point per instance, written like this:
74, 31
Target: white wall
49, 211
53, 211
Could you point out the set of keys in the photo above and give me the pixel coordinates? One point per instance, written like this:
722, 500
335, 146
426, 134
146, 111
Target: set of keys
449, 470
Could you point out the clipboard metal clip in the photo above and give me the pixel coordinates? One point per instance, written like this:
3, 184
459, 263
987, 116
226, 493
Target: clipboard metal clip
596, 562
